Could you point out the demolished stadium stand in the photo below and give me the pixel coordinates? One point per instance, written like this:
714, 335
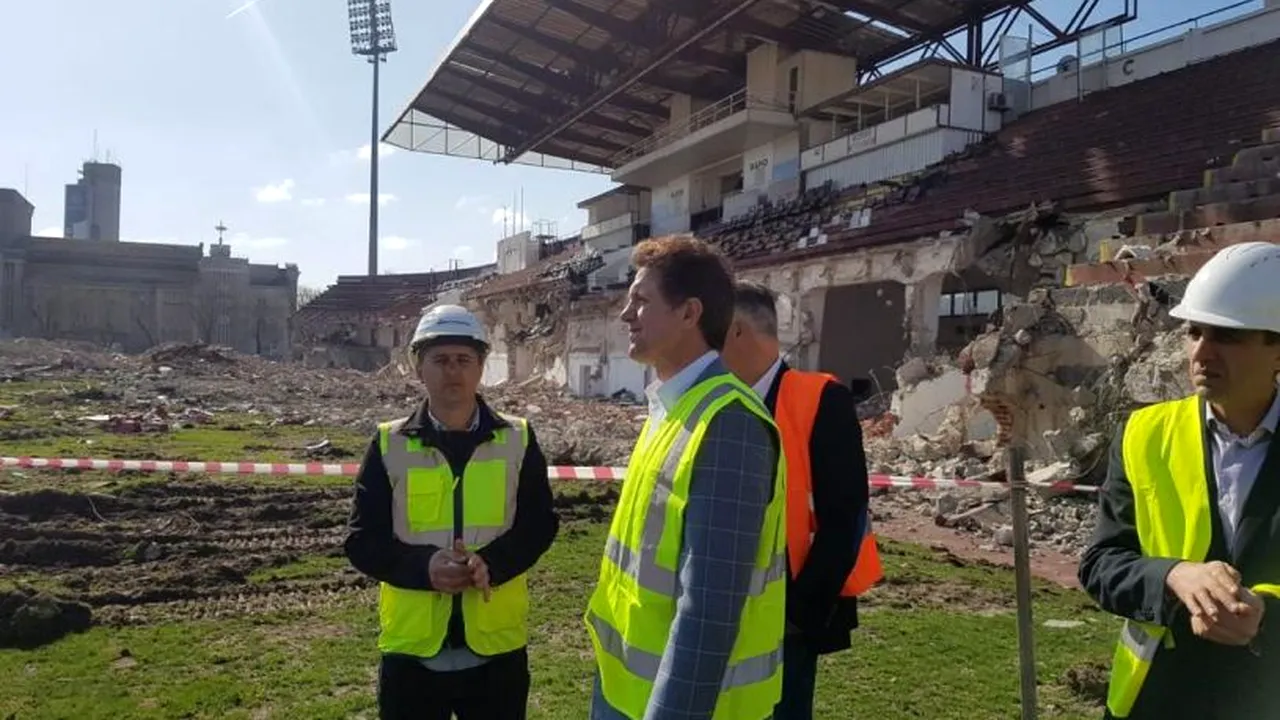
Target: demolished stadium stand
1113, 148
919, 264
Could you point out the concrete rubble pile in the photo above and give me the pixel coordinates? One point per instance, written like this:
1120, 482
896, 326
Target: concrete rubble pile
186, 385
1061, 370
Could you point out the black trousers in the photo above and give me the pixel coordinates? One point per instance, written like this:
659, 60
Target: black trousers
497, 690
799, 677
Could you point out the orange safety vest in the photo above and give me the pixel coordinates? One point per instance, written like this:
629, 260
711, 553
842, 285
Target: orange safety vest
797, 408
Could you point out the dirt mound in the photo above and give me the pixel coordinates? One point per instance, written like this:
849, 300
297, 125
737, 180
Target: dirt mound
1088, 682
29, 618
183, 354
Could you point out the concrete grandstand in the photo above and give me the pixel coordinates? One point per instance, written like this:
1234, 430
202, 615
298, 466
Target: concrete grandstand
895, 170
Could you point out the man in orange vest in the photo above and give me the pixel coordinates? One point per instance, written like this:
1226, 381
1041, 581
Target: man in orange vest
831, 552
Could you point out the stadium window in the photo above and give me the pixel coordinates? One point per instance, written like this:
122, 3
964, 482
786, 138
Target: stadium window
793, 88
962, 304
986, 302
944, 305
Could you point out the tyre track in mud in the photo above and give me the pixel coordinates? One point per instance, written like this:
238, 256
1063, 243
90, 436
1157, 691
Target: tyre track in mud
177, 550
189, 550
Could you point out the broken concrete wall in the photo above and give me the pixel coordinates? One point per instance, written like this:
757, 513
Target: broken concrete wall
1067, 365
526, 337
598, 362
934, 394
810, 316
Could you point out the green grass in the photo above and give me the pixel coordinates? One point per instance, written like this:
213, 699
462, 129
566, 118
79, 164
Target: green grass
953, 659
938, 639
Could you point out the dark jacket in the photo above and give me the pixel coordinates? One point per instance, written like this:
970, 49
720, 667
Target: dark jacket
374, 550
840, 495
1197, 678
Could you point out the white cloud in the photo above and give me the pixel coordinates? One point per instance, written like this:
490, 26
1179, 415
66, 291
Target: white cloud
279, 192
50, 232
384, 151
476, 203
313, 202
464, 254
514, 222
363, 198
396, 243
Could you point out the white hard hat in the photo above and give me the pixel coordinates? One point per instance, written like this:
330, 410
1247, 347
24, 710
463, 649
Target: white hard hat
448, 321
1238, 288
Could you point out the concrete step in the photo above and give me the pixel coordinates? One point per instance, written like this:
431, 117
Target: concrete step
1210, 215
1271, 135
1258, 154
1229, 192
1240, 173
1209, 237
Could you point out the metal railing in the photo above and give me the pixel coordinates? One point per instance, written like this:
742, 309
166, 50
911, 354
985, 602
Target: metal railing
1127, 45
725, 107
604, 227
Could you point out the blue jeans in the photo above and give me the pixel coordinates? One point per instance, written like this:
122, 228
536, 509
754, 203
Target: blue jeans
799, 676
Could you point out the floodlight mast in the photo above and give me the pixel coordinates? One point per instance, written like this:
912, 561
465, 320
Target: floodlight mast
374, 37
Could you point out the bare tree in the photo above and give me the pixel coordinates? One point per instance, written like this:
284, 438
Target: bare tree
45, 309
207, 307
263, 341
307, 294
142, 312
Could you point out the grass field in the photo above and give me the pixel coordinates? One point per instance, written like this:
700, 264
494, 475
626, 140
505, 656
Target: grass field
229, 599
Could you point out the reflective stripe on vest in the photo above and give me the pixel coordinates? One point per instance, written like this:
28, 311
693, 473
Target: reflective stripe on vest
416, 622
1163, 451
799, 395
630, 613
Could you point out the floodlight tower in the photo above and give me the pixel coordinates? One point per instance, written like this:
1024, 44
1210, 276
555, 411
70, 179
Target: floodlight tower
372, 36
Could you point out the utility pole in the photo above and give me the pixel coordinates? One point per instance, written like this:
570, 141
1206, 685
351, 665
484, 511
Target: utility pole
372, 36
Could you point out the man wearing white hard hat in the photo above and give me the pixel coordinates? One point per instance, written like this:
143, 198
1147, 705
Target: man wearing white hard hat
1187, 546
452, 508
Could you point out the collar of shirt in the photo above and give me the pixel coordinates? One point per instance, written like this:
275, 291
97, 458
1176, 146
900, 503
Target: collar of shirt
766, 381
1265, 429
664, 395
440, 427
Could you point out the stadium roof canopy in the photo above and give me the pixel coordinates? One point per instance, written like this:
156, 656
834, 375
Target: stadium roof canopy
578, 81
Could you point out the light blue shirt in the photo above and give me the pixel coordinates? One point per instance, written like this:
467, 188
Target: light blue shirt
663, 396
766, 380
1236, 463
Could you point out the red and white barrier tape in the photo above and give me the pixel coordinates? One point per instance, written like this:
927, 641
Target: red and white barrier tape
555, 472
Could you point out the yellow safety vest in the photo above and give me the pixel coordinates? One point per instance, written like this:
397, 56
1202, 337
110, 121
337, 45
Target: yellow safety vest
415, 622
1163, 450
631, 611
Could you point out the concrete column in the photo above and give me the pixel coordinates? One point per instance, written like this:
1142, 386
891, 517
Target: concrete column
810, 314
923, 297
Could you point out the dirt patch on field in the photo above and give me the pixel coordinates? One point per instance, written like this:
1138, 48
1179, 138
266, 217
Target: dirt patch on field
30, 618
185, 550
178, 549
913, 593
1047, 564
1088, 682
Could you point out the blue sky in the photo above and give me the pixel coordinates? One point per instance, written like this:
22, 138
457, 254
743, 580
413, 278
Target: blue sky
261, 120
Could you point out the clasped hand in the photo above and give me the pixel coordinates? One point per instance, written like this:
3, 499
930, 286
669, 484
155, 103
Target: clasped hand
455, 570
1222, 610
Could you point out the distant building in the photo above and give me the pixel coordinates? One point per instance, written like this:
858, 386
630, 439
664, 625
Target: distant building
92, 208
137, 295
